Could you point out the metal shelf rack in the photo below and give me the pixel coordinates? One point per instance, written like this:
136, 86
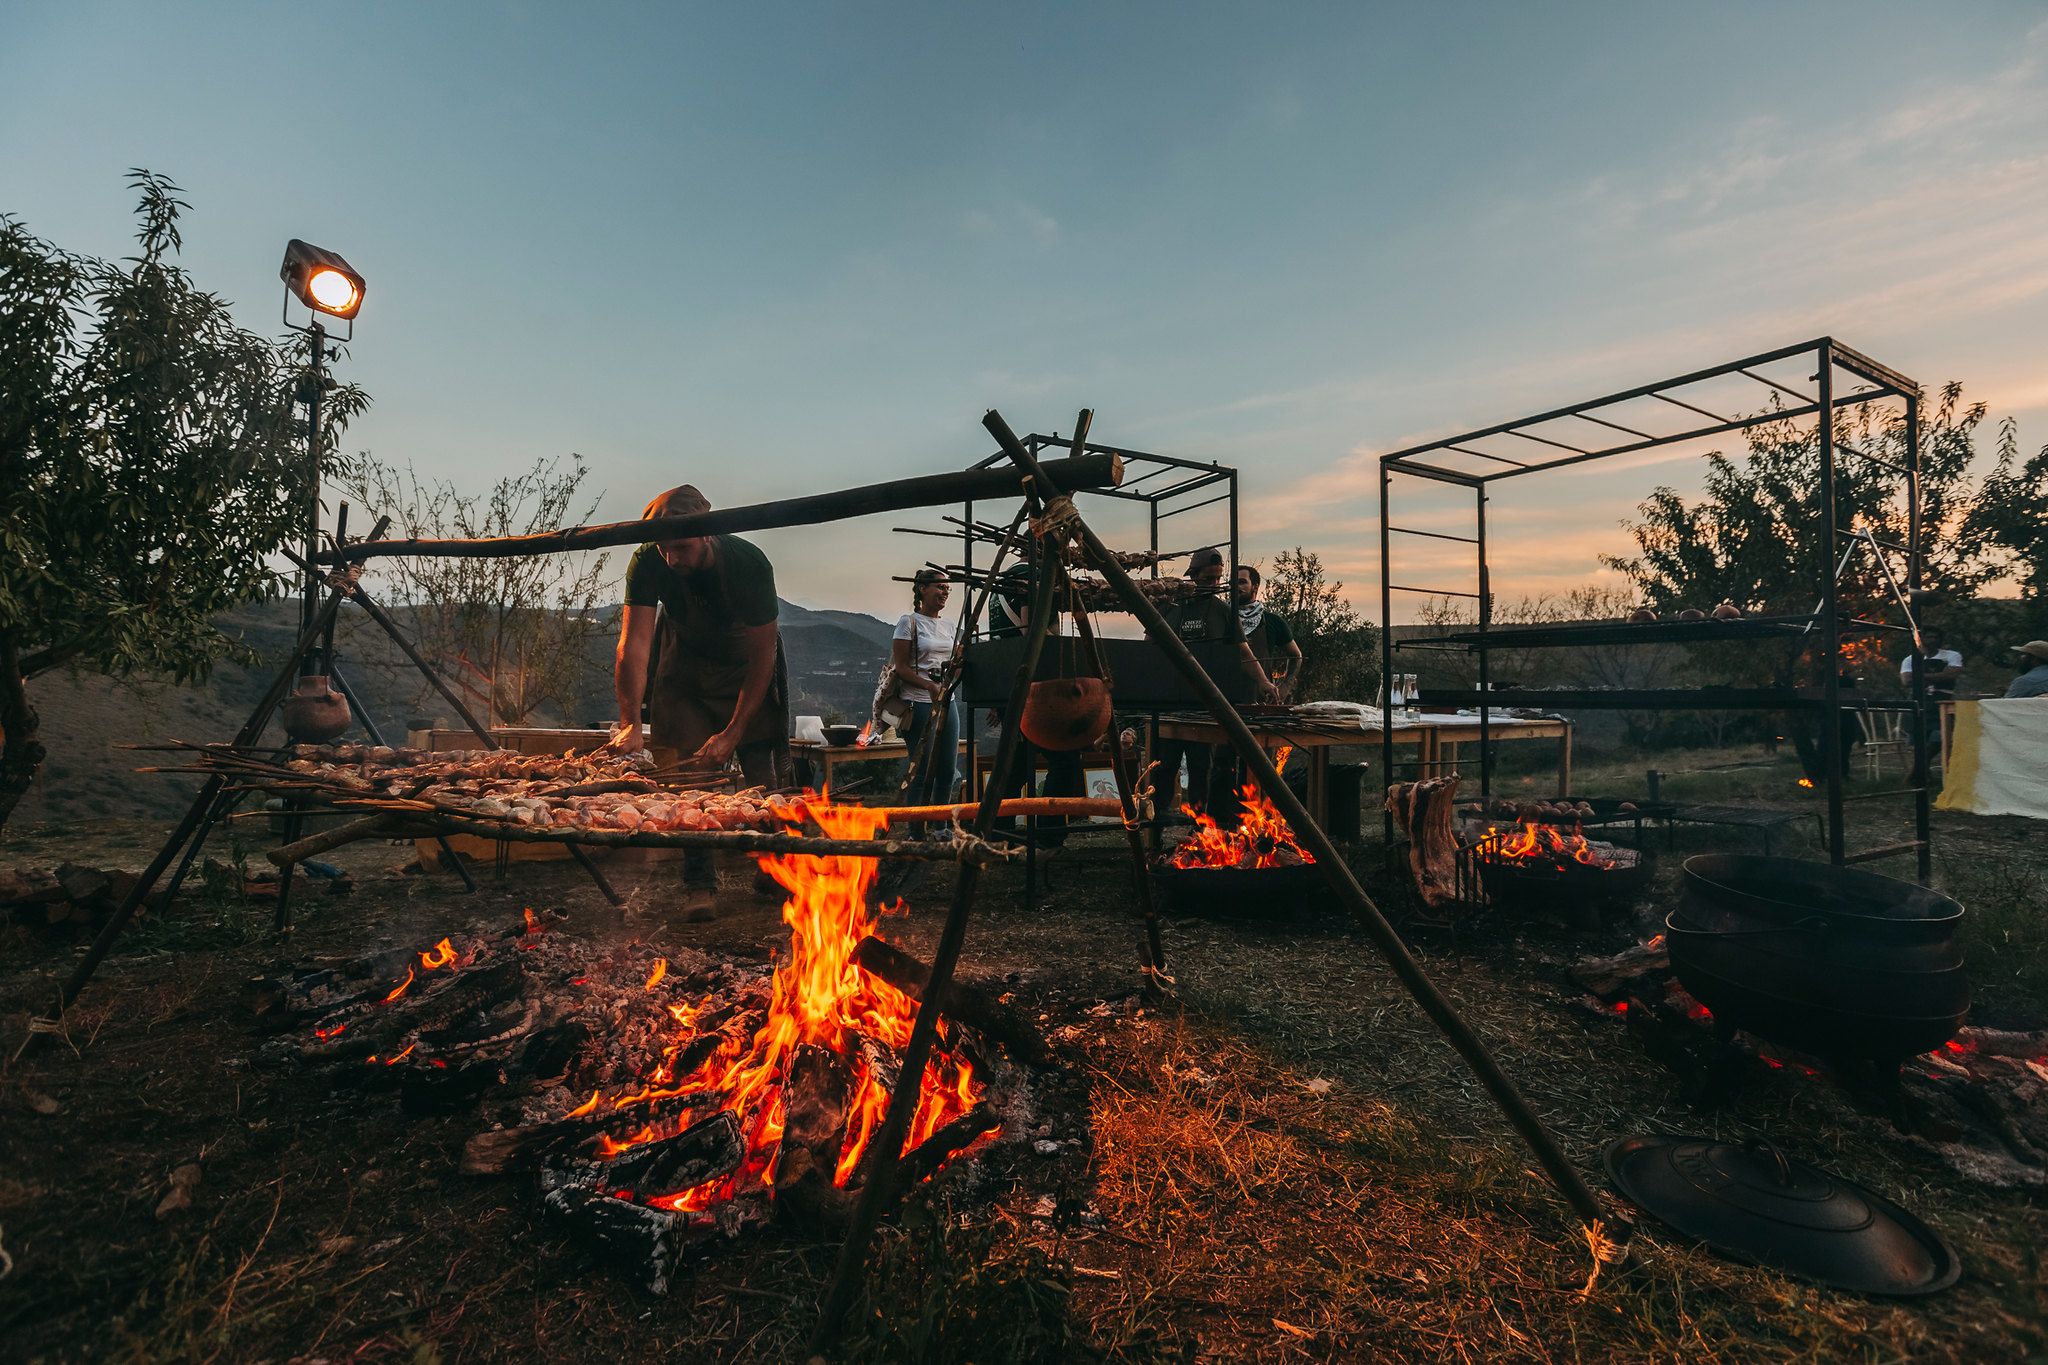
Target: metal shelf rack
1840, 377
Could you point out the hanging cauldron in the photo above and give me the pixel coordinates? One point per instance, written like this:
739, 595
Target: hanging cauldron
1066, 713
1833, 961
314, 713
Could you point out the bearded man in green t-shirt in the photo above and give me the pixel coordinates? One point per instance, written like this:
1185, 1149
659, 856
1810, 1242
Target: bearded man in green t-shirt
699, 644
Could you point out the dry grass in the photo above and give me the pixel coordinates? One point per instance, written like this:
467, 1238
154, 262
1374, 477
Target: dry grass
1289, 1166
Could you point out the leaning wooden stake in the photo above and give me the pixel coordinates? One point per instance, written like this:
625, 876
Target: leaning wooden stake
1338, 872
880, 1188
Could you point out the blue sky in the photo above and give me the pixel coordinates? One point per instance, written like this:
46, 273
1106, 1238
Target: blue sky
777, 249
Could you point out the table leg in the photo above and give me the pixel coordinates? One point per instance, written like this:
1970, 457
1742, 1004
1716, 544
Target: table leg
1564, 762
1319, 784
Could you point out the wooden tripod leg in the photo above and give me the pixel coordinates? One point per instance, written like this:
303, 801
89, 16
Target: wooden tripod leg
1153, 955
888, 1149
1336, 872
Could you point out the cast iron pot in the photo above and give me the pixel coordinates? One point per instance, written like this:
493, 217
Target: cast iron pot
1065, 714
1836, 962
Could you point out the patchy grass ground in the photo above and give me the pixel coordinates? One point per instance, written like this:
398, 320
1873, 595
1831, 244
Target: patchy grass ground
1288, 1165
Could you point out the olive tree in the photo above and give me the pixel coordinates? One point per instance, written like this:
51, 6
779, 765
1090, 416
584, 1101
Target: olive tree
150, 466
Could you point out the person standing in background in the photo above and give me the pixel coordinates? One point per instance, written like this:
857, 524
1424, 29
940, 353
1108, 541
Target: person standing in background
920, 654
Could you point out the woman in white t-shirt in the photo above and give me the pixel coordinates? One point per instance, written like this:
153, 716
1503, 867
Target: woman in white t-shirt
919, 654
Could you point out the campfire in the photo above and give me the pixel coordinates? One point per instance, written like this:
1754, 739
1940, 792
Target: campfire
1261, 839
1545, 860
1552, 847
670, 1099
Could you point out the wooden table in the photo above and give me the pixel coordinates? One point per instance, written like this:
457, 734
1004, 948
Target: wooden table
822, 758
1446, 733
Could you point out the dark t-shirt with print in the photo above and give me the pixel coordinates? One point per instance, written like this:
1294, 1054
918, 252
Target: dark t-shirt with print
1270, 638
1203, 618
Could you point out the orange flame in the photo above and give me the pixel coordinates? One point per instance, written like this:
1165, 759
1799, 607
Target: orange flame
654, 977
818, 997
1806, 782
400, 989
442, 955
1551, 844
1263, 838
533, 926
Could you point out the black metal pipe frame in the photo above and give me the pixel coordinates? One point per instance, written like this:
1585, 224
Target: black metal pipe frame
1826, 696
888, 1142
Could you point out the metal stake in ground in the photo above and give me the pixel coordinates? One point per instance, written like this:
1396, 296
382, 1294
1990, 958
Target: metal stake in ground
1440, 1011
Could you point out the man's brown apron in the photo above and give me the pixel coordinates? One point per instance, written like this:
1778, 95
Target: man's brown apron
693, 686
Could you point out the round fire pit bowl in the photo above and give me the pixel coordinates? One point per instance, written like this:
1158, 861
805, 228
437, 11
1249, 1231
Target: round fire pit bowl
1830, 960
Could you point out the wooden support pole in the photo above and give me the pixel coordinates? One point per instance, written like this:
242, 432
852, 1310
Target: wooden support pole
1338, 872
1100, 470
888, 1145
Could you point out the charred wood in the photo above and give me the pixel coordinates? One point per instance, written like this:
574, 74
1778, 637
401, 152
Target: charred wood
966, 1003
703, 1152
643, 1244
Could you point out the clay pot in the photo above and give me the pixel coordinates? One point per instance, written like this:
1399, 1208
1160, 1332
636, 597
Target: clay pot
1066, 713
315, 713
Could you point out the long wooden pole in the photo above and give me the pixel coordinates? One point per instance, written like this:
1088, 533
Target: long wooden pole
888, 1147
1100, 470
1335, 869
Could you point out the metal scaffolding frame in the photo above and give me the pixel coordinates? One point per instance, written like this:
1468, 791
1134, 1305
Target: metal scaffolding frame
1558, 438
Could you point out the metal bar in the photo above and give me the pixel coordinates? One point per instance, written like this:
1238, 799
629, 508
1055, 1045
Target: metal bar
1830, 612
1735, 424
1923, 815
1892, 465
1430, 471
1545, 440
1386, 698
1486, 455
1690, 407
1882, 851
1485, 620
1890, 791
1616, 426
1854, 534
1765, 379
1434, 535
1195, 506
1858, 363
1432, 592
1185, 486
1645, 390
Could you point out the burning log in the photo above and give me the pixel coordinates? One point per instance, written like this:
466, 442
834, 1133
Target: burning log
816, 1093
705, 1151
922, 1162
968, 1004
530, 1146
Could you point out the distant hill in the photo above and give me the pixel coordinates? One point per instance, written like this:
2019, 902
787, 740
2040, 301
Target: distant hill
833, 659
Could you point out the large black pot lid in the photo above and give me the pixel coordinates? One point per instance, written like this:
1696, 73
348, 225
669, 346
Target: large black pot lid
1754, 1203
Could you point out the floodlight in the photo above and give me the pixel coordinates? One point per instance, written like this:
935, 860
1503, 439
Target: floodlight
321, 280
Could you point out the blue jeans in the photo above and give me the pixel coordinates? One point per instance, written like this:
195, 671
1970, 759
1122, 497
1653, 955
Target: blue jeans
935, 784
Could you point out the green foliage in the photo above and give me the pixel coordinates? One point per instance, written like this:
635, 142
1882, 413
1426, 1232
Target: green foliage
1340, 652
150, 462
521, 629
148, 448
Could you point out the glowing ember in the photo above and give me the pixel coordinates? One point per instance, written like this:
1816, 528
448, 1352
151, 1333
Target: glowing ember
1551, 846
1263, 838
654, 977
1806, 782
400, 989
441, 956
